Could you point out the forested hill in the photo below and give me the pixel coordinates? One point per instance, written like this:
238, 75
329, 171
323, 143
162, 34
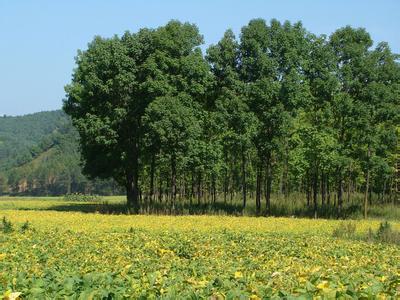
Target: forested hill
19, 135
39, 156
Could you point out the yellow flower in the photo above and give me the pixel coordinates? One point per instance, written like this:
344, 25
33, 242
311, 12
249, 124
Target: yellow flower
323, 285
12, 295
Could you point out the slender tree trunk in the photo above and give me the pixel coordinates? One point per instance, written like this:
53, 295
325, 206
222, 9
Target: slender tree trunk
152, 170
367, 185
393, 191
286, 172
173, 180
348, 189
384, 190
308, 191
167, 191
315, 192
226, 177
214, 192
181, 189
160, 188
323, 189
258, 189
328, 191
208, 191
132, 178
199, 188
192, 189
340, 195
268, 178
244, 186
132, 192
69, 184
233, 181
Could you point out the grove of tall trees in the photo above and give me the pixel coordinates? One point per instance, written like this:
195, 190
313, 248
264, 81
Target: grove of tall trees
276, 110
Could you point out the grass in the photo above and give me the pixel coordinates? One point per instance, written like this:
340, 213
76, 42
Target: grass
295, 205
385, 233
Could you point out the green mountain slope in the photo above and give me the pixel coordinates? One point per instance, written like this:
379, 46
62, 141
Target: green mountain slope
19, 135
39, 156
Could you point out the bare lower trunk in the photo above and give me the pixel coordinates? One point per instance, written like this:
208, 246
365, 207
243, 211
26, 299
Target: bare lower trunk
328, 191
348, 189
308, 190
214, 190
173, 180
258, 189
340, 196
323, 189
152, 170
198, 188
286, 173
268, 181
367, 185
132, 192
315, 192
244, 186
160, 189
192, 189
226, 178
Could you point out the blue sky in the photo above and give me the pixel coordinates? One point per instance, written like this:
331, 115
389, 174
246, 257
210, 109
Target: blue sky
39, 39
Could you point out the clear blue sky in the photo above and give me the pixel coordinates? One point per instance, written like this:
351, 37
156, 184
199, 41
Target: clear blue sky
39, 39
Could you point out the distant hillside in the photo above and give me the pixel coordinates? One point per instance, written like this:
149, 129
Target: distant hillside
39, 156
19, 134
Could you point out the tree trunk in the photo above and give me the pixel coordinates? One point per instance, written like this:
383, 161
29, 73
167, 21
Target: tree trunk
258, 189
244, 187
69, 184
160, 188
231, 183
328, 191
308, 191
192, 189
340, 195
367, 185
199, 188
384, 190
152, 170
214, 190
315, 192
173, 180
286, 172
323, 189
167, 190
268, 183
226, 178
348, 189
132, 191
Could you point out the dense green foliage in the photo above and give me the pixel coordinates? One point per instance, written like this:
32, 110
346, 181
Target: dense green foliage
277, 110
120, 80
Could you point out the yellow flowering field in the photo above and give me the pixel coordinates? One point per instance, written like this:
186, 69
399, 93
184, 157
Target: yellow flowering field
74, 255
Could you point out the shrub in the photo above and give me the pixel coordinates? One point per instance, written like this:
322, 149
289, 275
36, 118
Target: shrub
345, 230
82, 198
386, 234
6, 225
26, 226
